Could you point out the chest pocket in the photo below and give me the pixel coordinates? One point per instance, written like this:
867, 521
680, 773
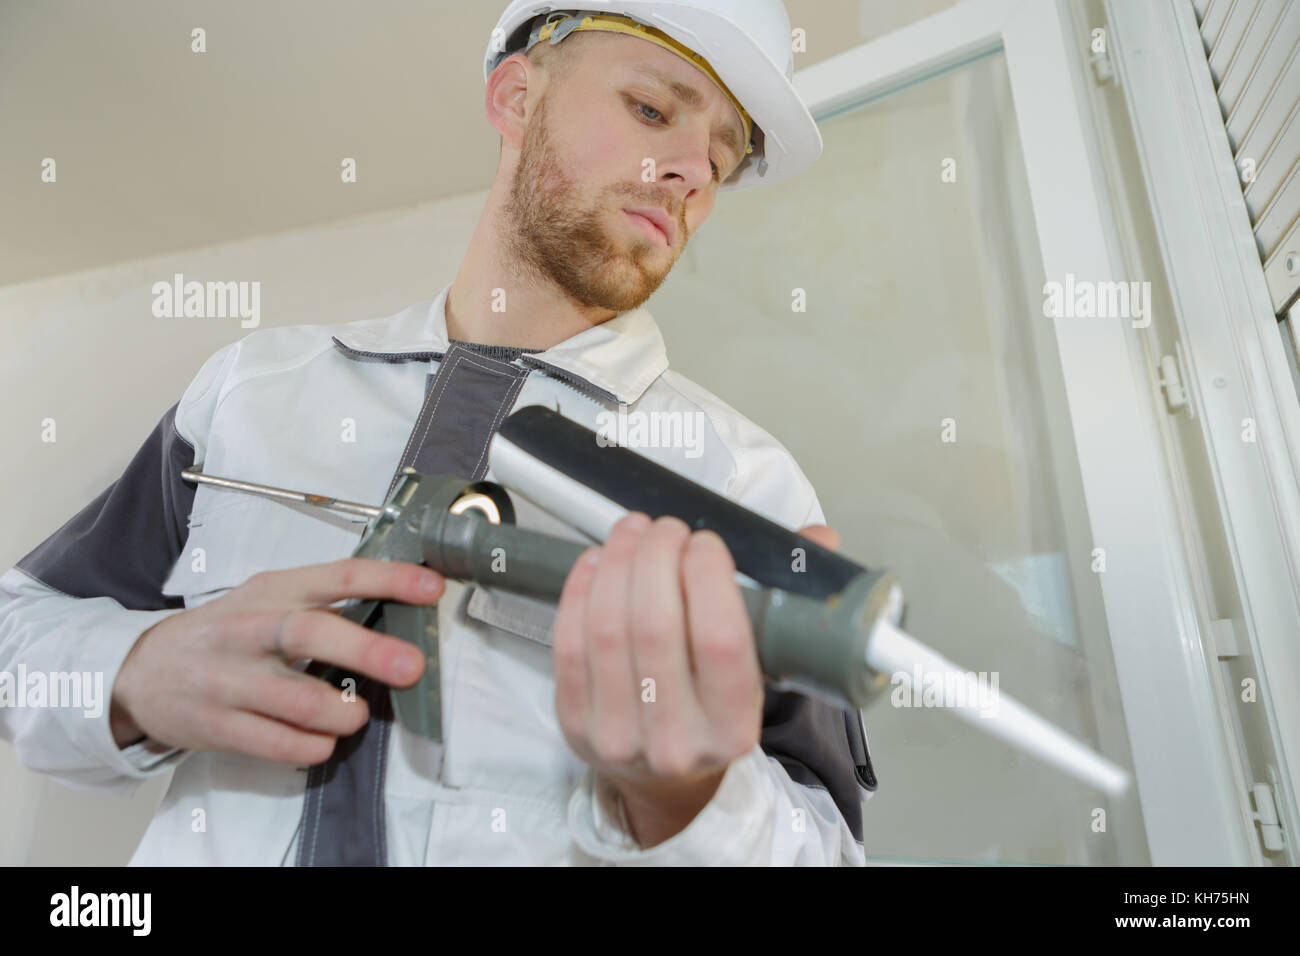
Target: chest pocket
504, 747
521, 616
510, 612
233, 536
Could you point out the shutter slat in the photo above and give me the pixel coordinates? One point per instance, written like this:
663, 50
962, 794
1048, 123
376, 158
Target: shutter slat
1212, 23
1278, 106
1252, 48
1281, 49
1279, 215
1272, 171
1249, 51
1227, 45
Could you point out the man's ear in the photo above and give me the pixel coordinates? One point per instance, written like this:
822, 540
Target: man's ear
506, 95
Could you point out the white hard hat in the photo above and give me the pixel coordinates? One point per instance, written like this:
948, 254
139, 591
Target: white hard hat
744, 46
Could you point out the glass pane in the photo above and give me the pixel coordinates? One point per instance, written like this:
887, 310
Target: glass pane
882, 315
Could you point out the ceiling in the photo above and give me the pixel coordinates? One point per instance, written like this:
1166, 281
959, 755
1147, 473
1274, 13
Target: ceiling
159, 149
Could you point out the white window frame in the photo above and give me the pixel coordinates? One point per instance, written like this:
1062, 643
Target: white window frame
1236, 357
1189, 785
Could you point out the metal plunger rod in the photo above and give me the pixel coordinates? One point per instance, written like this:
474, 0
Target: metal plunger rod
284, 494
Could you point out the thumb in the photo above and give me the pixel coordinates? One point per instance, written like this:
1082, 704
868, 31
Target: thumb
822, 534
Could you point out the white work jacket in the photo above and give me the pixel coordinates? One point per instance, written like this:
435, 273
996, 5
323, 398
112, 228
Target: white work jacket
330, 409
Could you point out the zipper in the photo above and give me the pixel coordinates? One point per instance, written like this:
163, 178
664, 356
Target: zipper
575, 382
388, 356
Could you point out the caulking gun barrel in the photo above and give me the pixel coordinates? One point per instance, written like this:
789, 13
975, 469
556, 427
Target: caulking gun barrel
820, 645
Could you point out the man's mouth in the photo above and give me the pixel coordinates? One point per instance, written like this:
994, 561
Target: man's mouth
655, 224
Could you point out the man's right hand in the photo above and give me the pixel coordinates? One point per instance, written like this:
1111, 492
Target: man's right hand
210, 678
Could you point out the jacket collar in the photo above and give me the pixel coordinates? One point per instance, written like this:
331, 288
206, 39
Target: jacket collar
617, 360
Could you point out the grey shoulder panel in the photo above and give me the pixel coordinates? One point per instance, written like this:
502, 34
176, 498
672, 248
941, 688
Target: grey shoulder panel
820, 745
123, 544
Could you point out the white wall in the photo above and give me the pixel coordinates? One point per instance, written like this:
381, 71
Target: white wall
86, 351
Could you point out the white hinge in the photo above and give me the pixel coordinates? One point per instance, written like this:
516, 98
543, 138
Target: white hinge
1171, 378
1270, 828
1225, 638
1103, 66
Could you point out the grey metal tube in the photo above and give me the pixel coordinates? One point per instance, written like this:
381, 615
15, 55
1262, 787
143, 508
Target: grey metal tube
818, 644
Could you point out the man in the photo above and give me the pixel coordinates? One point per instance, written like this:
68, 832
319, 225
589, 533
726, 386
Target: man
552, 752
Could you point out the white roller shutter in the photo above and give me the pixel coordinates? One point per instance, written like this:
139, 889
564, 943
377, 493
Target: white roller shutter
1253, 47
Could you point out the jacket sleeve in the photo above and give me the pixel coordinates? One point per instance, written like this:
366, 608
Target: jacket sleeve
796, 798
77, 603
758, 817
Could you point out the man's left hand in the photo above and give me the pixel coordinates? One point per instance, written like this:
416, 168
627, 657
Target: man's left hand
657, 680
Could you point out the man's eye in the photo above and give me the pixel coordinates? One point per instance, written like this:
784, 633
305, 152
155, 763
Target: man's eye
642, 107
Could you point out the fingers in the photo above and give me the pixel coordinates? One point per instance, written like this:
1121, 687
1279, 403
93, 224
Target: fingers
614, 688
305, 703
722, 640
260, 736
658, 621
322, 584
822, 534
207, 679
322, 635
569, 649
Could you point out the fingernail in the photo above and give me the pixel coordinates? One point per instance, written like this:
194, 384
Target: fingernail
706, 539
636, 520
405, 666
592, 556
429, 581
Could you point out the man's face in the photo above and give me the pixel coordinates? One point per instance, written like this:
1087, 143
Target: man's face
581, 165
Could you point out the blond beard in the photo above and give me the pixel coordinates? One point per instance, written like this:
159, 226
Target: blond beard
550, 235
